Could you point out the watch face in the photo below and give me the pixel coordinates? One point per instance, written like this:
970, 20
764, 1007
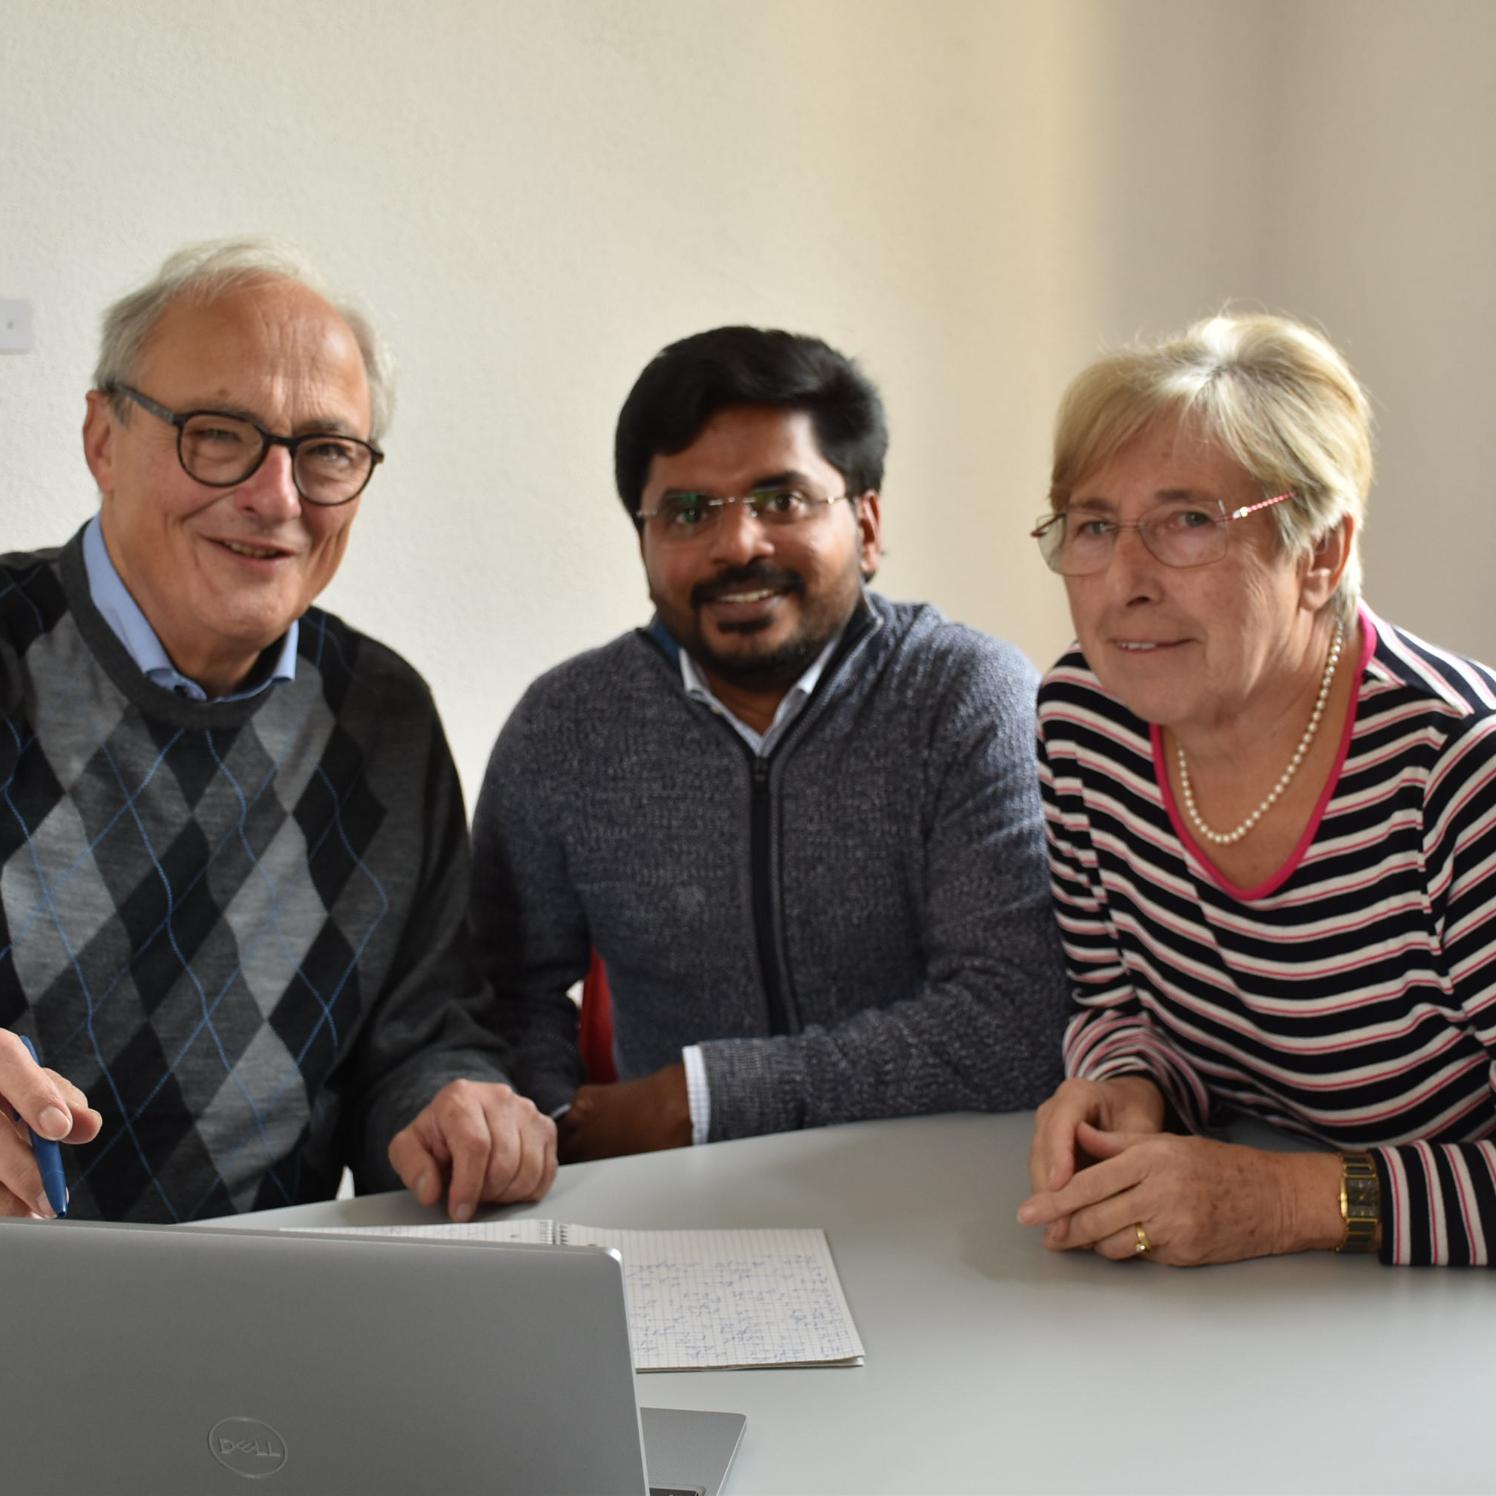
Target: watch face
1361, 1196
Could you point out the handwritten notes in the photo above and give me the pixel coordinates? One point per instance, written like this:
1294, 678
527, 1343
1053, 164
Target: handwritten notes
730, 1298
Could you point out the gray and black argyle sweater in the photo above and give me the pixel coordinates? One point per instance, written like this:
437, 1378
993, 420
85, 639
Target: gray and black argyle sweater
238, 926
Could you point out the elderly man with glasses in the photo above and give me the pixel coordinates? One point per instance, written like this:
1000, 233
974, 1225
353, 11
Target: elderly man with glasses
233, 861
798, 824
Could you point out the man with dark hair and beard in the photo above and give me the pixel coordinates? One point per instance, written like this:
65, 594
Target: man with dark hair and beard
799, 824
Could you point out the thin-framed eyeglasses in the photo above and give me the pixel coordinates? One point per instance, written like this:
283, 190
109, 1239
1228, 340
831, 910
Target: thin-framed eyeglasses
219, 449
1081, 542
681, 518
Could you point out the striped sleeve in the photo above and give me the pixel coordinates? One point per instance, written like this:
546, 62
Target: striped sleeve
1111, 1032
1439, 1199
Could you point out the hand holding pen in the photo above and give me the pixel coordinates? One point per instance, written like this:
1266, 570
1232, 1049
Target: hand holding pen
48, 1109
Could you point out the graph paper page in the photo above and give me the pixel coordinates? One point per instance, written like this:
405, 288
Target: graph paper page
698, 1299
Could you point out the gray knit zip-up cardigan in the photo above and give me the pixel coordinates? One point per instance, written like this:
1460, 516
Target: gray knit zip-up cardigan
881, 945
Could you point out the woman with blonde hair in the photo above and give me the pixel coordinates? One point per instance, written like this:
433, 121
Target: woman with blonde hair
1272, 831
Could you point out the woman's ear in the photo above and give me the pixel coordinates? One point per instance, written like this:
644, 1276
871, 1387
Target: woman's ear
1326, 563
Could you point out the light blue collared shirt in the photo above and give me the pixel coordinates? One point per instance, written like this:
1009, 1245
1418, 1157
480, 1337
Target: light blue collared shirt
131, 627
789, 708
698, 1089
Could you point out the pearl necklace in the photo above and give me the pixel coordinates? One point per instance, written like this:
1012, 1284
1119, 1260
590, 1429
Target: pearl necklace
1228, 838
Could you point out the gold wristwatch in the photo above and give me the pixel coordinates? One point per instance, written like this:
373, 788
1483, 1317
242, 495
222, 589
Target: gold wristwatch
1360, 1203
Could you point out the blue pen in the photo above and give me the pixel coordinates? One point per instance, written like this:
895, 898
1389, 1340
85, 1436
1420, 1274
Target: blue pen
48, 1158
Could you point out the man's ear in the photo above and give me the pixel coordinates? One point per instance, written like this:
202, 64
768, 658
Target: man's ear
870, 532
1326, 564
99, 422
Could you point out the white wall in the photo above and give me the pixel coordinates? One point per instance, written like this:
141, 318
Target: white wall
1386, 232
970, 195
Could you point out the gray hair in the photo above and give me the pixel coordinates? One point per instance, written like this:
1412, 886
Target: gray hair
1275, 395
201, 273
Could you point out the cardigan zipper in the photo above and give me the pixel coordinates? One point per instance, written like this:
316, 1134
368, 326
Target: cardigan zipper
763, 862
761, 876
763, 843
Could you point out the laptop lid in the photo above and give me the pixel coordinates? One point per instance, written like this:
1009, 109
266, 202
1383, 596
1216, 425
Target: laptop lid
151, 1359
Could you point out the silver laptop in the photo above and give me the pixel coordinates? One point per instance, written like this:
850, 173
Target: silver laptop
161, 1360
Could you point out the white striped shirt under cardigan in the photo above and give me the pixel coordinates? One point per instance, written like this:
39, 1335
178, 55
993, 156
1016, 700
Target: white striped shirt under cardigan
1351, 997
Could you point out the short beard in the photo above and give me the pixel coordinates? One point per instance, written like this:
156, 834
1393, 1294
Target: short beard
776, 671
773, 670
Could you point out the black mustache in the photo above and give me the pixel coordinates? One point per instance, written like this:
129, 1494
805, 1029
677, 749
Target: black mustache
746, 578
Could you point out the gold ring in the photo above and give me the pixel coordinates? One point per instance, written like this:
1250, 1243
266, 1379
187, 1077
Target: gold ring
1144, 1246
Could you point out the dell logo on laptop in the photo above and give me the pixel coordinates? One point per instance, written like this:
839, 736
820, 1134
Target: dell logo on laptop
247, 1447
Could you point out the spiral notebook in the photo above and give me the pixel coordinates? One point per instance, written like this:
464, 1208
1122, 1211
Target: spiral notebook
700, 1300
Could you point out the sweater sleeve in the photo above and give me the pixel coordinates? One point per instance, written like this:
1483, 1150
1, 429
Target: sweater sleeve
427, 1025
1439, 1199
529, 930
1111, 1032
982, 1030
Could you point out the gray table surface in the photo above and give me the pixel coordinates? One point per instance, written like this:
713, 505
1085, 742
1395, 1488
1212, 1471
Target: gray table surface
993, 1365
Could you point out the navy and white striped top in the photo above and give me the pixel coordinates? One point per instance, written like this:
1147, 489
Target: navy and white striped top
1352, 997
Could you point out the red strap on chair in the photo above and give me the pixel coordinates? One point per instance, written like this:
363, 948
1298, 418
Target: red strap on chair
595, 1031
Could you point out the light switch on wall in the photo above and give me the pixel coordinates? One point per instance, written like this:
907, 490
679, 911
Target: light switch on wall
15, 327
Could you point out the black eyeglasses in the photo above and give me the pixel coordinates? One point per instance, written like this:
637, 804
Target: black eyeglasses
220, 450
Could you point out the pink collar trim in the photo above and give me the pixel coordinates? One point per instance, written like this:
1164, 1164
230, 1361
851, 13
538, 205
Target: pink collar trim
1272, 884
